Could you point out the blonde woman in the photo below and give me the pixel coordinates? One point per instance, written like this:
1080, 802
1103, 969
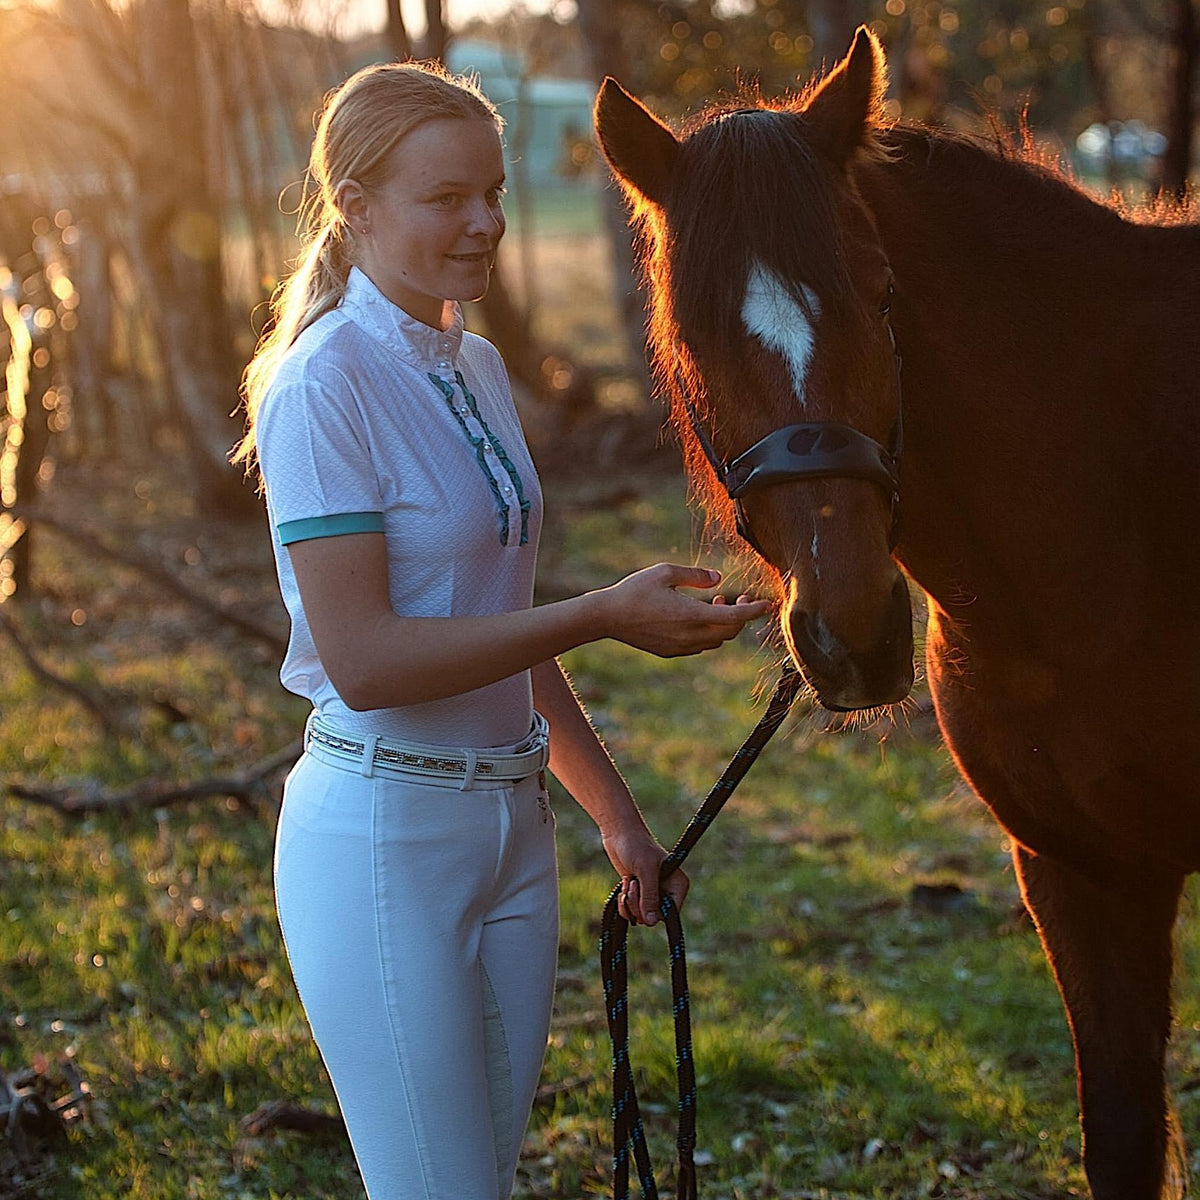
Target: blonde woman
415, 867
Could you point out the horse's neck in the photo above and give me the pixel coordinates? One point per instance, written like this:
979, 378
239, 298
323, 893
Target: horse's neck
1049, 348
979, 239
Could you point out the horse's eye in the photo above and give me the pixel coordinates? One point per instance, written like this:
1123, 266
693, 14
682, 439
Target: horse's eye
886, 306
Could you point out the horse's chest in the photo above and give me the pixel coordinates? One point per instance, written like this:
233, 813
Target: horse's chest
1065, 773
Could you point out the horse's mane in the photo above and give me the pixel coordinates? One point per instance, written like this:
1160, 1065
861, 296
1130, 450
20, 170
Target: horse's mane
1005, 151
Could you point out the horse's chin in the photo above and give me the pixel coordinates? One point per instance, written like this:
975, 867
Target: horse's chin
848, 680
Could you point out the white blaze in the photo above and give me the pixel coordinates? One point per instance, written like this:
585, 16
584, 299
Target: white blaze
780, 323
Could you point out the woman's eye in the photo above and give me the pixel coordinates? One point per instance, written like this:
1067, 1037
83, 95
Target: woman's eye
450, 200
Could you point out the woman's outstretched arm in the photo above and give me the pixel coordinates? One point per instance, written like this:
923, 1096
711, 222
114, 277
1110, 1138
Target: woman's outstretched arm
376, 658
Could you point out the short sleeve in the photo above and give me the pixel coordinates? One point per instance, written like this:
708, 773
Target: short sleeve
314, 453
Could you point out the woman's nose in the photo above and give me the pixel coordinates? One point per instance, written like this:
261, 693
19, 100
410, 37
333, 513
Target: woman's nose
485, 218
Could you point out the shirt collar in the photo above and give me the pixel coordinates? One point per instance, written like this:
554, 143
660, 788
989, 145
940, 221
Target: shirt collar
414, 341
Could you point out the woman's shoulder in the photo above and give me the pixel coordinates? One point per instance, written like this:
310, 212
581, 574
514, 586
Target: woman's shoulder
323, 361
321, 352
481, 355
316, 372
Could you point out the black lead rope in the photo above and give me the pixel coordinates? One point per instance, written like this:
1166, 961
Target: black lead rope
628, 1132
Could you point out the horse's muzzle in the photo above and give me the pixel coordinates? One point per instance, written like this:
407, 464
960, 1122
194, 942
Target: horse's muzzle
847, 680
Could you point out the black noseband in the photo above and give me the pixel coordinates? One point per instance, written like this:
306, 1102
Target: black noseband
812, 450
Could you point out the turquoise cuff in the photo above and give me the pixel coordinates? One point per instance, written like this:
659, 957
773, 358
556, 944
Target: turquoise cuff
331, 526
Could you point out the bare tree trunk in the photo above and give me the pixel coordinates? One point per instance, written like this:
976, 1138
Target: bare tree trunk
234, 83
178, 226
435, 30
26, 430
1184, 52
35, 438
599, 22
282, 99
91, 344
397, 33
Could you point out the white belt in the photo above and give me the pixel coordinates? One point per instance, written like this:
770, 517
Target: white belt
373, 754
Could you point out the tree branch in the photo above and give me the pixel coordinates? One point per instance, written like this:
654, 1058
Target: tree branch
284, 1114
37, 668
152, 571
90, 796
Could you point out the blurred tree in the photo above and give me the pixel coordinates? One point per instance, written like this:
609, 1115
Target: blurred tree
1183, 41
397, 33
177, 230
1179, 30
436, 33
147, 115
169, 129
600, 24
32, 321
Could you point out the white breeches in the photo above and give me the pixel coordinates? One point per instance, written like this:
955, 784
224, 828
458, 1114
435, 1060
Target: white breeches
421, 923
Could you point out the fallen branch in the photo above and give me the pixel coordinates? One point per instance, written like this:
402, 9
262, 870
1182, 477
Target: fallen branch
37, 668
157, 574
283, 1114
91, 796
548, 1091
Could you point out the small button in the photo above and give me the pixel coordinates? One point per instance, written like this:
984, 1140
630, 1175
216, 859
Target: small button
487, 447
508, 491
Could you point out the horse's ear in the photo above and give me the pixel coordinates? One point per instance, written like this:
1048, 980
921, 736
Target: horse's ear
849, 100
640, 149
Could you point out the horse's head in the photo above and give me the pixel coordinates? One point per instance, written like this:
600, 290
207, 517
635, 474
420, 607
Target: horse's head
770, 294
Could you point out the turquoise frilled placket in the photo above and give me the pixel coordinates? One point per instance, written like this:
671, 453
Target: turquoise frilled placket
479, 444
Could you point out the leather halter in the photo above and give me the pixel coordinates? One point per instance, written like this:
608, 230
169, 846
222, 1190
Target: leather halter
809, 450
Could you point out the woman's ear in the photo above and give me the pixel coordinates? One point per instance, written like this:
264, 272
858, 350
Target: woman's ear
351, 202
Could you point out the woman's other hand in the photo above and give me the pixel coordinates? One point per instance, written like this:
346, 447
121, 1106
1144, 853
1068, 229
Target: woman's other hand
637, 857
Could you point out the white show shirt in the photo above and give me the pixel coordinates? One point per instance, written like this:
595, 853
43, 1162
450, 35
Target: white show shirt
376, 422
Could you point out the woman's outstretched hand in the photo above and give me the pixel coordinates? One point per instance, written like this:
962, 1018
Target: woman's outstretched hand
637, 858
648, 610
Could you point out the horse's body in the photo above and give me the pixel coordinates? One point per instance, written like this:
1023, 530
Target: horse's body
1050, 499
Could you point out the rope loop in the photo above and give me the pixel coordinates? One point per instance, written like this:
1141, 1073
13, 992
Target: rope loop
629, 1135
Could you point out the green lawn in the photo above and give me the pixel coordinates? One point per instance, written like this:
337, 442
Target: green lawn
854, 1037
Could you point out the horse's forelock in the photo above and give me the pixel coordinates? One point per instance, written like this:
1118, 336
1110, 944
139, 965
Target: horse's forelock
750, 191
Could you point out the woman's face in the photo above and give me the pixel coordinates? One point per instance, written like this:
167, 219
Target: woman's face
434, 224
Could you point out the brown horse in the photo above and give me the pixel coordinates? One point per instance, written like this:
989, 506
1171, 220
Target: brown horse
1043, 439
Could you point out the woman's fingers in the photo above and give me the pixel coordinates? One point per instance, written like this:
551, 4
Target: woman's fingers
640, 906
628, 900
744, 598
651, 611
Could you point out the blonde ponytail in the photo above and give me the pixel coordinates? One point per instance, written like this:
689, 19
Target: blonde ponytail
360, 124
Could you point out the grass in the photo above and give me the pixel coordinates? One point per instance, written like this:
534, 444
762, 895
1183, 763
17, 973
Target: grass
852, 1040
